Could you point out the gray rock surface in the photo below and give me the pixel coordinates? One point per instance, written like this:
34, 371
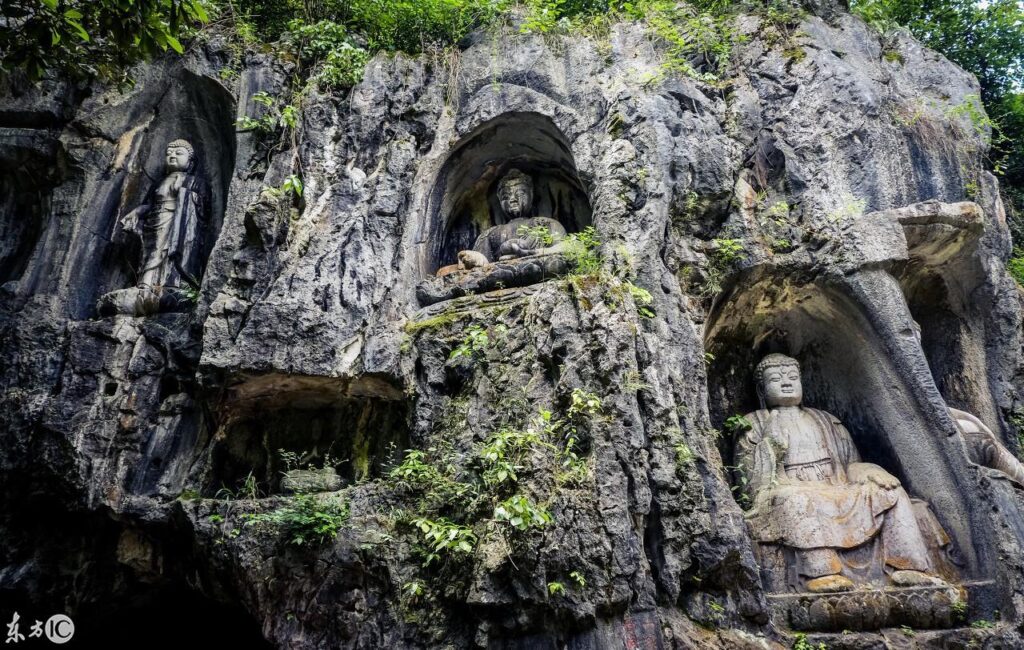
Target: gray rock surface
117, 435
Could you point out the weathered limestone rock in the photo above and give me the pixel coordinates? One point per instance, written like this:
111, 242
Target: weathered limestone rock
819, 207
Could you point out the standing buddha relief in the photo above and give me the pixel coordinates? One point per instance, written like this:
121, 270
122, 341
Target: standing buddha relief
813, 497
167, 232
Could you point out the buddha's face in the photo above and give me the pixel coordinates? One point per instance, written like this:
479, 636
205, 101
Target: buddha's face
516, 197
178, 158
781, 386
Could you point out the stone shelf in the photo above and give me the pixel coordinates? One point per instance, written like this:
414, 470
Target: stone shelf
927, 607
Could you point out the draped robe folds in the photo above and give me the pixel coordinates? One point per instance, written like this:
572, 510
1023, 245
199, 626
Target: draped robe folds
170, 254
806, 512
169, 235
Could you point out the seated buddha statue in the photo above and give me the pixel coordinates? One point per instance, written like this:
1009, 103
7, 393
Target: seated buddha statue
520, 235
811, 493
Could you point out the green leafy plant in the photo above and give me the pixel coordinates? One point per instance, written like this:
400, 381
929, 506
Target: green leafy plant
800, 642
582, 250
1015, 265
540, 234
556, 588
305, 519
474, 344
90, 38
578, 578
684, 455
444, 536
278, 115
249, 489
343, 67
413, 590
191, 293
521, 513
292, 185
960, 610
642, 298
736, 424
727, 251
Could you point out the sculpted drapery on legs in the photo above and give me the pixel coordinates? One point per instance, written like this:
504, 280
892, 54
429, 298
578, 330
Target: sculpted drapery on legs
810, 491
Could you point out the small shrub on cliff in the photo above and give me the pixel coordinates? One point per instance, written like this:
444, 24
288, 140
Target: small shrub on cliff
328, 46
307, 519
1015, 265
473, 345
459, 503
800, 642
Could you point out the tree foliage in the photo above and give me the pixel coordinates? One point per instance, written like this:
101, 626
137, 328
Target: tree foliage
86, 38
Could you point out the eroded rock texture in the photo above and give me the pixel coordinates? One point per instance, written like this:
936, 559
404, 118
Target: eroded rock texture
828, 199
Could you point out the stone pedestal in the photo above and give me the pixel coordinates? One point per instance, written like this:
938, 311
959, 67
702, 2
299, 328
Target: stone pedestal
508, 274
302, 481
871, 609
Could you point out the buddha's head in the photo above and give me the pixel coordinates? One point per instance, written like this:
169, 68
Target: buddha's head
515, 192
179, 156
778, 381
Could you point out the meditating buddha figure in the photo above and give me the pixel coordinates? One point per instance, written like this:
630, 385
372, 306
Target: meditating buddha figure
519, 235
811, 493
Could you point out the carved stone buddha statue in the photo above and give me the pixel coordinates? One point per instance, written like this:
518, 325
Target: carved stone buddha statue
983, 446
166, 230
812, 495
521, 234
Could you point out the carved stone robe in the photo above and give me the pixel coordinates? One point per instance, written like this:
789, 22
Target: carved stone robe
809, 503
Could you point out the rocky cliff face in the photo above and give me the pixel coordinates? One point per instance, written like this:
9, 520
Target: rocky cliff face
821, 202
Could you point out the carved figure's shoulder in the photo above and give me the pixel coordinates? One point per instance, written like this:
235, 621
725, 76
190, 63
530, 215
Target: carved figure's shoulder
757, 420
825, 415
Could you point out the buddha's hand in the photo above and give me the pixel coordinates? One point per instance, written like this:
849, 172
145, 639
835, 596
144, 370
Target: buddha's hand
869, 473
130, 222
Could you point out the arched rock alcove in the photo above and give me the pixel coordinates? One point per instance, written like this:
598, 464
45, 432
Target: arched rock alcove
860, 361
941, 282
463, 201
195, 108
361, 427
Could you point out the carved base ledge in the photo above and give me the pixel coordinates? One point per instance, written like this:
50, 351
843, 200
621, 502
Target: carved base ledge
871, 609
508, 274
470, 303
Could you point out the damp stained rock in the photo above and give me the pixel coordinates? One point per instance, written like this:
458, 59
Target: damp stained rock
141, 460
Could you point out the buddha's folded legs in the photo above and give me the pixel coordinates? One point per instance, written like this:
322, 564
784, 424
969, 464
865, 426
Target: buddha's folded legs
817, 562
902, 544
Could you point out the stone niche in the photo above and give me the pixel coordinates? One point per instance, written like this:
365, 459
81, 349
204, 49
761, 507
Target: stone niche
362, 429
463, 203
939, 282
857, 369
201, 112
